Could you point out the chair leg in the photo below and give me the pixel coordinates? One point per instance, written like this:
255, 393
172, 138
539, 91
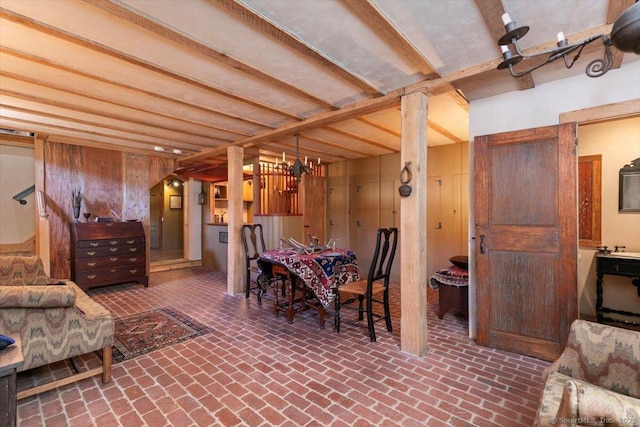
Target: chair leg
361, 307
106, 364
370, 323
387, 312
247, 285
336, 314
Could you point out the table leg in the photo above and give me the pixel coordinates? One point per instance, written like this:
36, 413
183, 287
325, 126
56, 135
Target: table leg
290, 310
599, 314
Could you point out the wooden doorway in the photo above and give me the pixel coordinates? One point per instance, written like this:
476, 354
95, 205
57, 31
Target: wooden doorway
526, 239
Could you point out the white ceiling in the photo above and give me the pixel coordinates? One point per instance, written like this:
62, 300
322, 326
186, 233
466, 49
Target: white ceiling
201, 75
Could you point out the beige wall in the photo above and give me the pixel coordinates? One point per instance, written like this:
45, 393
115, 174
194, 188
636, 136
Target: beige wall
367, 193
618, 142
18, 221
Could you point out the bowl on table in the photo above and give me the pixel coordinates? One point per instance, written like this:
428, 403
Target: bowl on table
460, 261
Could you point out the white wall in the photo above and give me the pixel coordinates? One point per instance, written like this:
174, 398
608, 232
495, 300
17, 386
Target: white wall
542, 105
18, 221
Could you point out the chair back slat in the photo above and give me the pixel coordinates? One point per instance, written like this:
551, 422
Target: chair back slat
384, 254
253, 241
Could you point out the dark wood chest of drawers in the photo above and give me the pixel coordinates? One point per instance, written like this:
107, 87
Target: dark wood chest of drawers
108, 253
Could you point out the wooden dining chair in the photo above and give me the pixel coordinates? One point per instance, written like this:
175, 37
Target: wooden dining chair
254, 246
375, 289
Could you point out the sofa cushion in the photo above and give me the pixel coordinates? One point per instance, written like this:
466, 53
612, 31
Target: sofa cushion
570, 402
23, 271
602, 355
586, 404
37, 296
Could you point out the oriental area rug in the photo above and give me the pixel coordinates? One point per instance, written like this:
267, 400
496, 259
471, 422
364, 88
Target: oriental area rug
142, 333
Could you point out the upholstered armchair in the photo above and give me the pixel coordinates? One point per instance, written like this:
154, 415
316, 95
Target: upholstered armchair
596, 380
55, 319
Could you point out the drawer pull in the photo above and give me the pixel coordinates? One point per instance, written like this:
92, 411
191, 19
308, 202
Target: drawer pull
133, 259
133, 271
113, 270
91, 253
133, 249
113, 249
131, 242
113, 242
94, 244
113, 259
91, 276
91, 264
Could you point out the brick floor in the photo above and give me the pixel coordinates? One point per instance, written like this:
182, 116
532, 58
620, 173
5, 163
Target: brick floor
256, 369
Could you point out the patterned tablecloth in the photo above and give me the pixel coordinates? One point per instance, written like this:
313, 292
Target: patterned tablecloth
320, 271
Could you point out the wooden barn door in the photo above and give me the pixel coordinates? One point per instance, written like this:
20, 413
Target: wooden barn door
526, 239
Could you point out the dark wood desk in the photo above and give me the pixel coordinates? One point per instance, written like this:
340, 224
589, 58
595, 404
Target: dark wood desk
615, 265
318, 272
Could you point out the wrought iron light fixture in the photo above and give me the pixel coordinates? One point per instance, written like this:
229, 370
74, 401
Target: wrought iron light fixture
298, 167
625, 36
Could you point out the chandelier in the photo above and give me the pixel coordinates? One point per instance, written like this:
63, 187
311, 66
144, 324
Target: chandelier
625, 36
298, 167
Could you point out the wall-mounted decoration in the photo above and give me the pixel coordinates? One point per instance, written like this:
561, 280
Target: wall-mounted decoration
629, 187
175, 202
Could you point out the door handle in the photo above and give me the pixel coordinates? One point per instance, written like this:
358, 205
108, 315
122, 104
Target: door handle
482, 236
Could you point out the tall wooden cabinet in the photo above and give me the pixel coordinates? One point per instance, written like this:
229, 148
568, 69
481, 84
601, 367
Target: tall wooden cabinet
108, 253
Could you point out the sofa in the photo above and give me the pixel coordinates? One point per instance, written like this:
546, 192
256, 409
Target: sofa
54, 319
596, 380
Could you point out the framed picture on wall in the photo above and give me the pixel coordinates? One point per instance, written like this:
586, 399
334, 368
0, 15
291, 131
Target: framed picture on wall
629, 187
175, 202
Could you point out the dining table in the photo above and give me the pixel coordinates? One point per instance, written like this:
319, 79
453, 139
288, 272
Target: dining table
316, 274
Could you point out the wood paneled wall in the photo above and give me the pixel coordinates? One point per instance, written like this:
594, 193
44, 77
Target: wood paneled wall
109, 180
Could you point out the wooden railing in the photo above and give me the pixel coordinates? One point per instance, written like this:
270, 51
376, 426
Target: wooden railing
279, 190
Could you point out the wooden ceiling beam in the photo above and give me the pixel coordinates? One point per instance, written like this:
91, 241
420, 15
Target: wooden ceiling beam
277, 32
46, 62
492, 11
376, 20
181, 142
60, 104
148, 23
132, 60
376, 104
359, 138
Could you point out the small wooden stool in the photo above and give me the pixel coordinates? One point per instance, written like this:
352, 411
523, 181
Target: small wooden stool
452, 297
453, 290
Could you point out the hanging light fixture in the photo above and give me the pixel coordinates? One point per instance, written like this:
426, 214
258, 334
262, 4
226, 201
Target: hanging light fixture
298, 167
625, 36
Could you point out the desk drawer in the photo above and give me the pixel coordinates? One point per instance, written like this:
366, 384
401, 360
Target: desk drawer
619, 266
109, 251
88, 278
129, 241
110, 261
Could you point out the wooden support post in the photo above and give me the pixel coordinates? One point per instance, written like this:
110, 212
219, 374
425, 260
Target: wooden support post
235, 254
413, 226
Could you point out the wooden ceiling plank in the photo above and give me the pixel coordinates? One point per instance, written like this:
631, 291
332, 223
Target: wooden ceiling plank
106, 50
380, 126
376, 104
95, 133
444, 132
84, 139
61, 104
148, 23
187, 144
272, 29
359, 138
492, 11
376, 19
